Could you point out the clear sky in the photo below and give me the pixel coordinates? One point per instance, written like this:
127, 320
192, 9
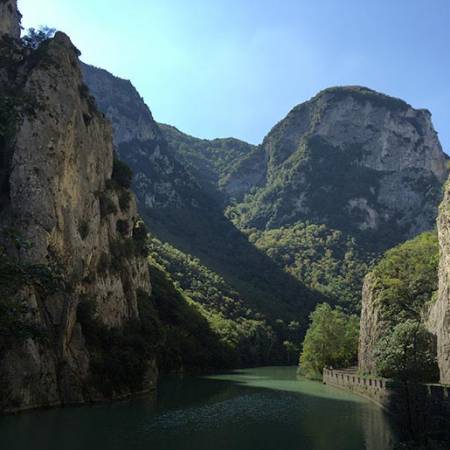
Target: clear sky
219, 68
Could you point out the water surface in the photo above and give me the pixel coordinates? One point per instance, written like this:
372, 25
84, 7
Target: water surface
267, 408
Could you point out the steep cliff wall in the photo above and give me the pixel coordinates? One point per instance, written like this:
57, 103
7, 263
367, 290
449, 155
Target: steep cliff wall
439, 319
371, 328
9, 19
400, 288
71, 235
159, 179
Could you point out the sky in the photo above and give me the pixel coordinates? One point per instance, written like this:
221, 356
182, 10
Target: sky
221, 68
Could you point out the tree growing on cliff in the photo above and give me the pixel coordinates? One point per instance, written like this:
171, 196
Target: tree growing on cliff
35, 37
407, 353
331, 340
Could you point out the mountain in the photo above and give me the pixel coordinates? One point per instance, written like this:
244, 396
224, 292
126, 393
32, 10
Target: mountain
340, 179
79, 321
350, 158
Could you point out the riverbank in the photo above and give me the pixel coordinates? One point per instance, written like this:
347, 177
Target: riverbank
421, 410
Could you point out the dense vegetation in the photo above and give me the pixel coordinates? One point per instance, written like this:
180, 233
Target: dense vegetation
250, 337
331, 341
408, 352
324, 259
405, 283
210, 161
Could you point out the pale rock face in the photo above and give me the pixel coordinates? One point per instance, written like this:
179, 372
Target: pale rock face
439, 318
380, 144
159, 179
372, 327
61, 159
9, 19
371, 216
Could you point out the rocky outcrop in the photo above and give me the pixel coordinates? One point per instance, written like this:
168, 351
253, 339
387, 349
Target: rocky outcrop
400, 288
160, 180
372, 326
439, 318
71, 221
351, 158
9, 19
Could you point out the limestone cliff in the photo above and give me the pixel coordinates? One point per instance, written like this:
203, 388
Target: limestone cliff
63, 216
351, 158
439, 319
159, 179
400, 288
371, 326
9, 19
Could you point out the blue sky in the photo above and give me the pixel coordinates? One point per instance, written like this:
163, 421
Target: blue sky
218, 68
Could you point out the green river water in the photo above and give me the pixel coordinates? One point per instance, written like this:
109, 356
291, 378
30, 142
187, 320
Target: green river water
267, 408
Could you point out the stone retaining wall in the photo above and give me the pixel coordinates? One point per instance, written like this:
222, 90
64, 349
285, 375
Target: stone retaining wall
421, 410
376, 389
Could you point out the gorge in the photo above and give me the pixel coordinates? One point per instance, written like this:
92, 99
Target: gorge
131, 252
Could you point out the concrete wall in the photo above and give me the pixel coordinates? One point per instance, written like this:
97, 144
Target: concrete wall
422, 411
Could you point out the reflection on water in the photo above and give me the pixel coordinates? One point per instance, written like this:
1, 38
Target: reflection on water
256, 409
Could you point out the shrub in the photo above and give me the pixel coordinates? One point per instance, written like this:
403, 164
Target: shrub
407, 353
121, 174
121, 250
124, 200
107, 206
140, 236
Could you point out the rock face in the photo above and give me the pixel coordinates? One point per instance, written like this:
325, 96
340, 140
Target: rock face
372, 326
400, 288
9, 19
159, 179
58, 197
439, 319
351, 158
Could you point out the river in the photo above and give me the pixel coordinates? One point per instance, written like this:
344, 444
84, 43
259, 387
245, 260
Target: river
267, 408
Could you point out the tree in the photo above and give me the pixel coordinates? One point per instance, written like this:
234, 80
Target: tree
331, 340
407, 353
34, 38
